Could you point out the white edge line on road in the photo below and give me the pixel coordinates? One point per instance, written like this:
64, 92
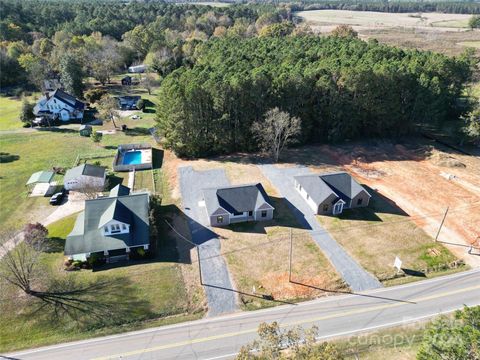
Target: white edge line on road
238, 315
367, 329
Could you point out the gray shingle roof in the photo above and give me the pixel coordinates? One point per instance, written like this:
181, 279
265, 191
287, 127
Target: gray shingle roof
84, 169
87, 235
67, 98
321, 186
119, 190
239, 198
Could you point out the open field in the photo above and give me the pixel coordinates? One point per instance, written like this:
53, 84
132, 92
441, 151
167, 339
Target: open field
257, 253
363, 20
10, 112
473, 44
145, 293
41, 150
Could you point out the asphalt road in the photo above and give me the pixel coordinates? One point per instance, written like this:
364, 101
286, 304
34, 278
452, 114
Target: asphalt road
354, 275
221, 297
221, 337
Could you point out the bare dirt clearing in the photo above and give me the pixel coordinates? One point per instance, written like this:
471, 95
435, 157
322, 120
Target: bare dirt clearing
412, 177
323, 20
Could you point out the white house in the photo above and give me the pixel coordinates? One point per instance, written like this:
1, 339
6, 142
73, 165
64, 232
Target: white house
59, 105
85, 176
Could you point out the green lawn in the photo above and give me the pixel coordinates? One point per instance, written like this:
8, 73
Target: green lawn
10, 108
375, 235
151, 290
41, 150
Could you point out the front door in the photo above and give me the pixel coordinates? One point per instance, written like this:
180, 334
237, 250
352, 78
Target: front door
338, 208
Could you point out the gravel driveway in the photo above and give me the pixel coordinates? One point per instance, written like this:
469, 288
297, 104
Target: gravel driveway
354, 275
218, 286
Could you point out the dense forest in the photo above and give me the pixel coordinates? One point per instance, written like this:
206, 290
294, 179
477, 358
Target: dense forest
340, 87
36, 36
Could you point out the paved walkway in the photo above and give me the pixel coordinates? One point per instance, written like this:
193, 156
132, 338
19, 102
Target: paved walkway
66, 209
221, 295
354, 275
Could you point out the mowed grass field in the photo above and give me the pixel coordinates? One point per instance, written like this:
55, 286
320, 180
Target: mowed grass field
375, 235
371, 19
41, 150
10, 112
145, 293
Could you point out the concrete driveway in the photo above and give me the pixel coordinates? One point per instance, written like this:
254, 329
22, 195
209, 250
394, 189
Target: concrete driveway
354, 275
221, 296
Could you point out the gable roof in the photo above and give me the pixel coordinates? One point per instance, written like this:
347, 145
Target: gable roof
67, 98
84, 169
87, 235
321, 187
233, 199
40, 177
119, 190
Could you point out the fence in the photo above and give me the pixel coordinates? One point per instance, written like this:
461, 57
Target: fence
118, 166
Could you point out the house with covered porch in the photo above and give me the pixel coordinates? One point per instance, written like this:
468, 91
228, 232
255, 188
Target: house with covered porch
111, 227
331, 193
233, 204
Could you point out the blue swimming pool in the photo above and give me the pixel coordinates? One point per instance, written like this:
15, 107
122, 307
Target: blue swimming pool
132, 158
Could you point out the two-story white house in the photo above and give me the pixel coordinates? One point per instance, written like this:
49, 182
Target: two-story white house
59, 105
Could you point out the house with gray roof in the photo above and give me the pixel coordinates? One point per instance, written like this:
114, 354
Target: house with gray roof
331, 193
233, 204
110, 227
85, 176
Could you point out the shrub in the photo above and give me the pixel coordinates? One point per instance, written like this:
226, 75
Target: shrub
141, 104
96, 136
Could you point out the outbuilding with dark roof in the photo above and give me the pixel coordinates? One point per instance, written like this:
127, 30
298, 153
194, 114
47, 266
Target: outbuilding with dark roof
235, 204
85, 176
331, 193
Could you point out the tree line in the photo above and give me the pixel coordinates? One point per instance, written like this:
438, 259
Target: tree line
340, 88
98, 38
454, 7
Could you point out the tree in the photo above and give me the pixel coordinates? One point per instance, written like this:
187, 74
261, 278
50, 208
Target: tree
457, 339
472, 126
94, 94
278, 130
34, 234
148, 82
71, 73
140, 104
35, 67
96, 136
26, 114
345, 31
104, 61
277, 30
474, 22
108, 108
277, 344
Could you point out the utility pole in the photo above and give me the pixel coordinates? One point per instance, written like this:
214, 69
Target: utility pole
290, 258
199, 265
441, 224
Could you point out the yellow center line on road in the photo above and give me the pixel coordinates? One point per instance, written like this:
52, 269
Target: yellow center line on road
300, 322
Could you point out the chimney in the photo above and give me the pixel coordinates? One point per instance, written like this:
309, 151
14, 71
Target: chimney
47, 95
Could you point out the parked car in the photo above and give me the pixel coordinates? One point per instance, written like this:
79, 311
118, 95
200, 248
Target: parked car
57, 198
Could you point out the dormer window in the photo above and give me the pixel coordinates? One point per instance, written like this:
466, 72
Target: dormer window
116, 228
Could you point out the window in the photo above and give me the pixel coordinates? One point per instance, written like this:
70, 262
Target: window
264, 213
308, 196
250, 213
325, 207
115, 228
219, 219
359, 201
237, 213
124, 227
